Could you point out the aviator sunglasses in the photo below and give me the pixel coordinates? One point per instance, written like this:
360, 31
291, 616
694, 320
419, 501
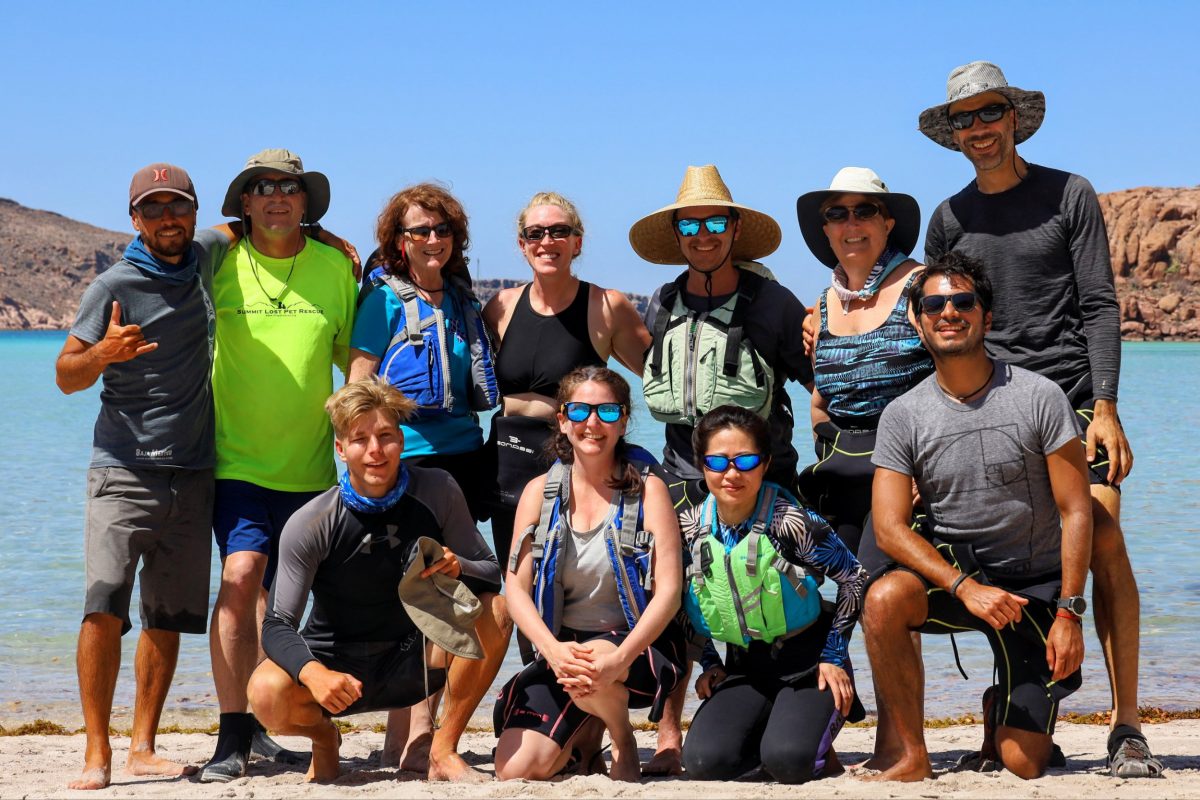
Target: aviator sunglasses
420, 233
716, 224
743, 463
535, 233
860, 211
285, 186
933, 304
965, 119
579, 411
179, 208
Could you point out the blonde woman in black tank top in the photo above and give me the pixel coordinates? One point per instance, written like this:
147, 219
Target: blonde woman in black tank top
542, 331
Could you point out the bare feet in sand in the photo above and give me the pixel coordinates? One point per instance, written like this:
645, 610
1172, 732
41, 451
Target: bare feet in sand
416, 755
904, 770
147, 762
92, 778
626, 766
665, 763
451, 767
325, 765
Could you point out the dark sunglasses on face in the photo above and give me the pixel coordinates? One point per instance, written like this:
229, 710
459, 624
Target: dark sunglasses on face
178, 208
535, 233
860, 211
578, 411
965, 119
743, 463
933, 304
285, 186
419, 233
716, 224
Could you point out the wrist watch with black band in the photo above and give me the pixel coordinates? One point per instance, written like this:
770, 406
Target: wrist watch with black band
1076, 605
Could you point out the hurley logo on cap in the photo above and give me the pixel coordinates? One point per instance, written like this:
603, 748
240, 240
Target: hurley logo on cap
162, 175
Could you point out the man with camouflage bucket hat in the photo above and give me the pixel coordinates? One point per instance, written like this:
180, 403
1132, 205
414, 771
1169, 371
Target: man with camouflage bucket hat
285, 311
1041, 233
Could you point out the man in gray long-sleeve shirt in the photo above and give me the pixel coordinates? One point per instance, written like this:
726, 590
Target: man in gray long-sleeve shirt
1041, 234
350, 546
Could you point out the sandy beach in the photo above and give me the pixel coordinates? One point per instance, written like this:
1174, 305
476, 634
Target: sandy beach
41, 766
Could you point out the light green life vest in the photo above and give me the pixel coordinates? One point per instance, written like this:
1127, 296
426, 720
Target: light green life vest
700, 360
747, 591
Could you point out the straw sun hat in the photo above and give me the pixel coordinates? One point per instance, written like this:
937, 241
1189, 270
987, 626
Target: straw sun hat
974, 79
653, 236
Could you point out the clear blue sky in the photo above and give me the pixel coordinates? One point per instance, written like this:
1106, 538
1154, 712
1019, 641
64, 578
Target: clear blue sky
605, 102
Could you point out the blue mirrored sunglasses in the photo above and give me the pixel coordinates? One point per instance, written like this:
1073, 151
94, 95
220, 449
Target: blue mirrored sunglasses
714, 224
578, 411
743, 463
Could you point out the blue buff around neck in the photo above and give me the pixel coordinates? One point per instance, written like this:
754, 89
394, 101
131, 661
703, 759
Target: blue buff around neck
373, 505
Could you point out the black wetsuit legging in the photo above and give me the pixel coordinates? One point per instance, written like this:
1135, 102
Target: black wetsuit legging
788, 728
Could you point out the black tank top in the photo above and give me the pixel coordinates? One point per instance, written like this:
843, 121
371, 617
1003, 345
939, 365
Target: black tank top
538, 351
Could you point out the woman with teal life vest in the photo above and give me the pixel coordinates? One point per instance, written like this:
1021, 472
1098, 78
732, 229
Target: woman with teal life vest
866, 351
543, 330
421, 328
594, 583
756, 556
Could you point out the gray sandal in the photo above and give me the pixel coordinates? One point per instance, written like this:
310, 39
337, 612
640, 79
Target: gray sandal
1129, 755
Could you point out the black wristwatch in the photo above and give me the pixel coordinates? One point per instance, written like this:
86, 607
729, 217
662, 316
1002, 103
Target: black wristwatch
1076, 605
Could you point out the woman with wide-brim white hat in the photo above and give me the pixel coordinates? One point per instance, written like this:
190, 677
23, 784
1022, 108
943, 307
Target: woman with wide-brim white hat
866, 352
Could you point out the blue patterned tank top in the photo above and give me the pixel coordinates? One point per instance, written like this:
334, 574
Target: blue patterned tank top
860, 374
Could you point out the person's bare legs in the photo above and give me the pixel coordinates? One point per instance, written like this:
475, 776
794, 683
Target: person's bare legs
895, 606
97, 662
234, 634
1023, 753
409, 736
668, 749
610, 704
1116, 606
887, 745
154, 667
467, 681
284, 706
524, 754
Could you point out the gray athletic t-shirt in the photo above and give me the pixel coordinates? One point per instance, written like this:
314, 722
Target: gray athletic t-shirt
981, 466
156, 410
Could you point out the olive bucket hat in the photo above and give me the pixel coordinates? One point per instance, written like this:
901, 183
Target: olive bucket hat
441, 607
276, 159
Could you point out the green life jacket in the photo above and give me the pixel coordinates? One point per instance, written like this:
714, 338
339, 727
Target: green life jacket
700, 360
747, 591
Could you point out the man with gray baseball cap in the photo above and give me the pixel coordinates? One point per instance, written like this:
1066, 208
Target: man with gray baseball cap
1041, 233
144, 327
285, 310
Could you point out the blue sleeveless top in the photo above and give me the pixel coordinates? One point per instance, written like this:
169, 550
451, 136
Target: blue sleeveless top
861, 373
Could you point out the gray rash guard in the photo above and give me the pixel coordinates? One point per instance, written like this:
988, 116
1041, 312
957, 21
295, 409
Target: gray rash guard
1045, 247
353, 562
775, 328
981, 466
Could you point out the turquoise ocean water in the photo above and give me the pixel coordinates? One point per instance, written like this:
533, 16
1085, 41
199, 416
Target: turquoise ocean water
47, 439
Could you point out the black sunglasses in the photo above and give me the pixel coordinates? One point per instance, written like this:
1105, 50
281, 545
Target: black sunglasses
965, 119
535, 233
860, 211
419, 233
933, 304
285, 186
178, 208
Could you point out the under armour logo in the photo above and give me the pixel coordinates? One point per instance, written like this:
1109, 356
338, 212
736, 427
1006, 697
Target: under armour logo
161, 175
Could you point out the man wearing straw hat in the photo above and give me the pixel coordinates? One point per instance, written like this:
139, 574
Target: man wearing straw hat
382, 554
285, 311
730, 307
1042, 235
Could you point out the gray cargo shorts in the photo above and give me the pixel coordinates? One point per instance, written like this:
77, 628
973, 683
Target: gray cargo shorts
162, 516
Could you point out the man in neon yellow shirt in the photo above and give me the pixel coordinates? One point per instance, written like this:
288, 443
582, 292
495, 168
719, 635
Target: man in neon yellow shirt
285, 312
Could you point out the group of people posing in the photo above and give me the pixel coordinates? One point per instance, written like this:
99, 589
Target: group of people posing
964, 419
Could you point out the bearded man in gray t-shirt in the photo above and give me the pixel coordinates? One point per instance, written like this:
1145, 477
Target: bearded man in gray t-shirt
1002, 476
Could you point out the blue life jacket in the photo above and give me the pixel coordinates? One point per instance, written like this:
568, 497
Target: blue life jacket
629, 547
417, 360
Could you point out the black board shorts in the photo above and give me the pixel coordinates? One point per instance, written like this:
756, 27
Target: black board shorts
392, 673
534, 700
1098, 469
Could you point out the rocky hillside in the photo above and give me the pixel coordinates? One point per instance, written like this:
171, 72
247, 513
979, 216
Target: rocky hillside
46, 260
1154, 236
